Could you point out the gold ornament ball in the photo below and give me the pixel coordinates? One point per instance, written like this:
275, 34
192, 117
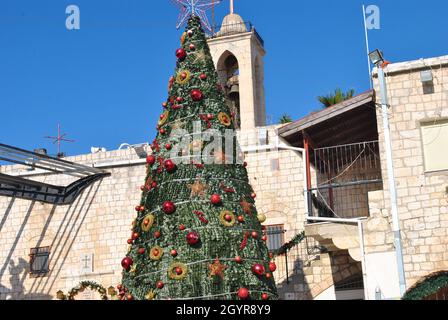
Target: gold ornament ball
261, 217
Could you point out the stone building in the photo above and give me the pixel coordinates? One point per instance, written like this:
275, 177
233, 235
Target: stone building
328, 165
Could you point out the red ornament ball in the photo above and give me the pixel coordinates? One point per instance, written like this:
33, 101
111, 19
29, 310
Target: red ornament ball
139, 208
119, 287
215, 199
238, 259
179, 99
178, 270
192, 238
245, 164
258, 269
190, 33
264, 238
203, 76
169, 165
181, 54
129, 297
150, 160
182, 227
160, 284
228, 217
165, 104
253, 195
129, 241
142, 188
184, 75
240, 219
268, 275
254, 234
157, 234
135, 235
272, 266
173, 253
210, 116
196, 95
154, 185
126, 263
168, 146
243, 293
264, 296
192, 47
168, 207
141, 250
162, 131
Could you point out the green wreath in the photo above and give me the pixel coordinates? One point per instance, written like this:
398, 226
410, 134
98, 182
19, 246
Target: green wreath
81, 287
427, 286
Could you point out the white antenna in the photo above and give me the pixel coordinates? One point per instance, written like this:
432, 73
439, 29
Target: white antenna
367, 45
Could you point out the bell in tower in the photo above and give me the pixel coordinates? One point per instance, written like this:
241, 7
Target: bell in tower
232, 88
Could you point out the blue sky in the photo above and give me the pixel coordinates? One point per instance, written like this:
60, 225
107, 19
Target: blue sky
105, 83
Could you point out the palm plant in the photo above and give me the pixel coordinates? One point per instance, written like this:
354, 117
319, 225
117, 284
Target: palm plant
285, 118
336, 97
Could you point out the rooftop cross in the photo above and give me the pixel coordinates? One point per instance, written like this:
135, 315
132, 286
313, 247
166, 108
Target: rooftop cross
58, 139
196, 8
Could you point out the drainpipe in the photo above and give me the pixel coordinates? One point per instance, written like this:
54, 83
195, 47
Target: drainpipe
358, 221
391, 178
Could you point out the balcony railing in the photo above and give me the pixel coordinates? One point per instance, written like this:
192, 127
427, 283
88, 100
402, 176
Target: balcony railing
235, 28
344, 175
293, 260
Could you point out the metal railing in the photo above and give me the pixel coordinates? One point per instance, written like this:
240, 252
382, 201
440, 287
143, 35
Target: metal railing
344, 175
294, 260
235, 28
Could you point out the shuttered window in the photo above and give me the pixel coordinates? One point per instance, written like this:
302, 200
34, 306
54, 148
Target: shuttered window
275, 235
435, 145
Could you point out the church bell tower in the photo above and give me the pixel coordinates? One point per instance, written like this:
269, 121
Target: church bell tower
238, 51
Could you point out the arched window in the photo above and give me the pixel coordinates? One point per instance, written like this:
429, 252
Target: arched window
228, 70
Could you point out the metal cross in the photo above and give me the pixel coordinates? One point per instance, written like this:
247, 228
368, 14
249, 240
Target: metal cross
195, 8
58, 139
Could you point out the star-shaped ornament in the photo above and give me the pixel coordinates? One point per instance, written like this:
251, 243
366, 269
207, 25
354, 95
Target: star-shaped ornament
195, 8
217, 269
247, 206
177, 125
197, 188
133, 269
199, 56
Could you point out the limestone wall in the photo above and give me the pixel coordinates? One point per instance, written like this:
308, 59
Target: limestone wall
99, 222
422, 196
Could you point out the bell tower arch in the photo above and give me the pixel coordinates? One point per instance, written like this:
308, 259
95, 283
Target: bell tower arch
238, 51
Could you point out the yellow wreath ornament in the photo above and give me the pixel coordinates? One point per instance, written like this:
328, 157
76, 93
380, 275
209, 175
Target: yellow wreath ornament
224, 119
183, 76
150, 222
156, 253
222, 218
172, 271
164, 118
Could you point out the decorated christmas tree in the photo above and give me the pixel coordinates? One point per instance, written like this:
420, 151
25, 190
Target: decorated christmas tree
197, 234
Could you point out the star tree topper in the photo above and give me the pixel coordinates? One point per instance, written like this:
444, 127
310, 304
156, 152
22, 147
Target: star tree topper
196, 8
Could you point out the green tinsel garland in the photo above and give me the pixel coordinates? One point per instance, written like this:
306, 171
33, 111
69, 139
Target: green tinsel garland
298, 238
428, 286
